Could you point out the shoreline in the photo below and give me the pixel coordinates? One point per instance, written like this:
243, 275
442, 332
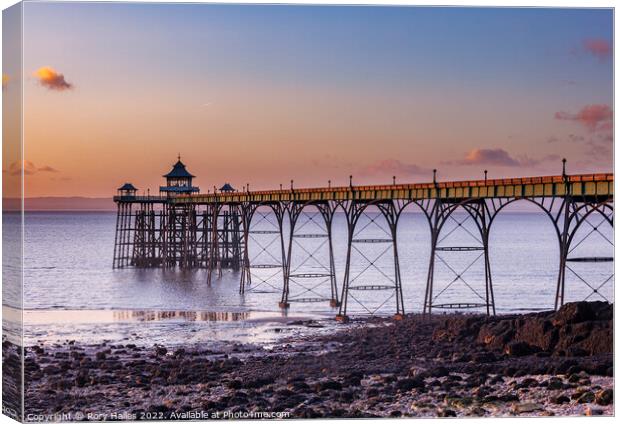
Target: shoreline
449, 365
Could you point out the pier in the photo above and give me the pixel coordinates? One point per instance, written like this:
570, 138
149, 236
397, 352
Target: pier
183, 228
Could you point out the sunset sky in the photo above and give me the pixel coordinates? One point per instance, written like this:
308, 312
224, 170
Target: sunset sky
265, 94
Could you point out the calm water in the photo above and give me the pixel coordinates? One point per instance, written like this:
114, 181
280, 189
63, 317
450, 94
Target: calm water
72, 292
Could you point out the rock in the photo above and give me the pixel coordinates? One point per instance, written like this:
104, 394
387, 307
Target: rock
485, 357
524, 408
586, 397
353, 379
498, 379
51, 370
328, 385
527, 382
576, 312
235, 384
520, 349
82, 379
439, 372
510, 371
558, 400
554, 383
509, 397
372, 392
575, 351
298, 386
407, 384
478, 411
480, 391
604, 397
263, 381
476, 380
593, 411
446, 413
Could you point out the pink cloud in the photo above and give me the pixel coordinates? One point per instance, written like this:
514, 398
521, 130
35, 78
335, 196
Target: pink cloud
593, 117
489, 157
393, 167
500, 157
29, 168
598, 47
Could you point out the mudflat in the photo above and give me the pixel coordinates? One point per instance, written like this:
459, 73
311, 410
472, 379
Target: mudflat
548, 363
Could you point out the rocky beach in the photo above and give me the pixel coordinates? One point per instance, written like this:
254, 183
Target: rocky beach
538, 364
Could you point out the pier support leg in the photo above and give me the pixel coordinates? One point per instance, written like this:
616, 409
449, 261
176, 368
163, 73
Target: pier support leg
441, 213
387, 213
310, 268
584, 217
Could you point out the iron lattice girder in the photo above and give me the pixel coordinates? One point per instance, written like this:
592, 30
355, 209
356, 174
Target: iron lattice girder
317, 226
264, 239
578, 211
388, 213
439, 214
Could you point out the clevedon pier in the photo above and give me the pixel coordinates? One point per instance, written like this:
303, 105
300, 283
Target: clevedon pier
283, 239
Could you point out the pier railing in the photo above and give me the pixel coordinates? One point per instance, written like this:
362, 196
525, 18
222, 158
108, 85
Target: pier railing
583, 185
141, 199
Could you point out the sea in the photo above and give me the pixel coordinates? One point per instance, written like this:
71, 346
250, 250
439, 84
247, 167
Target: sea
71, 291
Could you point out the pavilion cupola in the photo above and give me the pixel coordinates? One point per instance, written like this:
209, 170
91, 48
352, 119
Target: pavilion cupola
127, 190
178, 181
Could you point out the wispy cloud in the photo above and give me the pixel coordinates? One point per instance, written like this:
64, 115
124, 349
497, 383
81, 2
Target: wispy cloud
393, 167
500, 157
594, 117
598, 47
575, 138
49, 78
47, 168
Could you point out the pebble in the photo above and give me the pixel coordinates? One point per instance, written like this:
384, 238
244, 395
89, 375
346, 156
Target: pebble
522, 408
593, 411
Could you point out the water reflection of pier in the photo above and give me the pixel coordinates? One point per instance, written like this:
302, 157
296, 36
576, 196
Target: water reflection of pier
179, 316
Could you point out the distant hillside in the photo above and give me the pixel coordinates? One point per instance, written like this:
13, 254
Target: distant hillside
61, 204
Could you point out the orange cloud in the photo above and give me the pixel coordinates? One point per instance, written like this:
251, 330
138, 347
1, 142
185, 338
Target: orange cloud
593, 117
51, 79
5, 81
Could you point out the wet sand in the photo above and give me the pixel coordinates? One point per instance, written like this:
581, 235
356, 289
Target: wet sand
453, 365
